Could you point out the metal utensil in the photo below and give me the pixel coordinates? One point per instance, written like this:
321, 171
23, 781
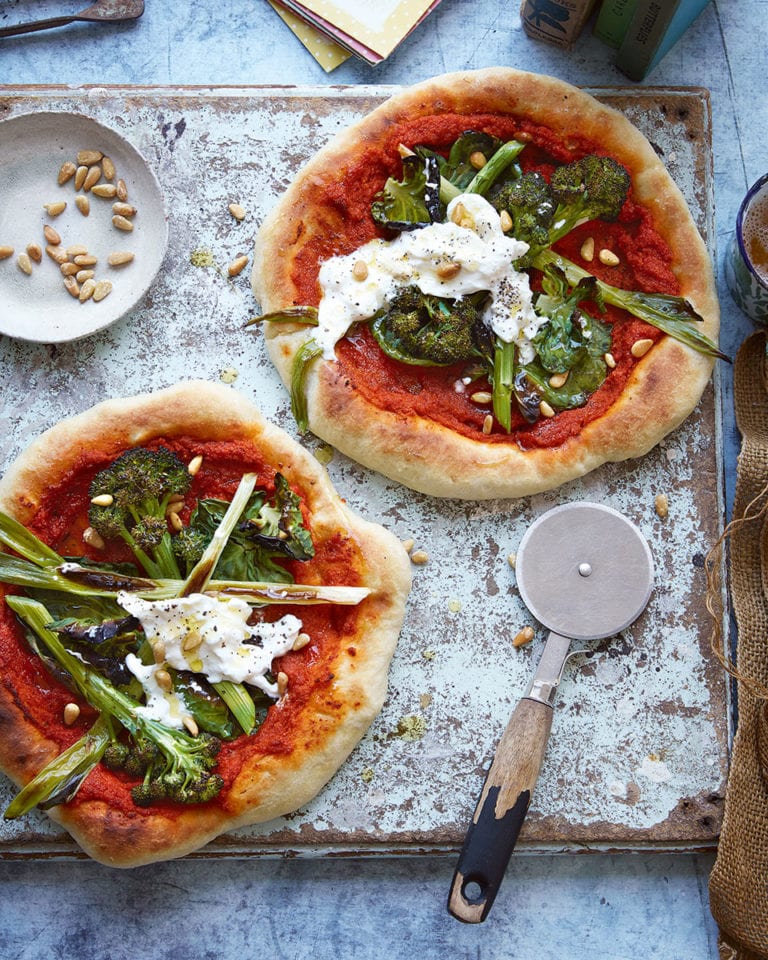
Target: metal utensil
105, 10
585, 572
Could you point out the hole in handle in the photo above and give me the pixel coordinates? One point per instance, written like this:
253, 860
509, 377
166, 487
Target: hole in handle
473, 890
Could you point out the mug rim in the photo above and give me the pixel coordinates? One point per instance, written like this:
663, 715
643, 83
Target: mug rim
756, 187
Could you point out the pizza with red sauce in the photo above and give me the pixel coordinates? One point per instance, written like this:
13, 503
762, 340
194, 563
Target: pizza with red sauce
195, 631
487, 287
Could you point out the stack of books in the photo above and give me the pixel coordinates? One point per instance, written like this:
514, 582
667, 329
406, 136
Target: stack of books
369, 31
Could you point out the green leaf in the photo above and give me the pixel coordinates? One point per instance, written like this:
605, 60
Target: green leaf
413, 201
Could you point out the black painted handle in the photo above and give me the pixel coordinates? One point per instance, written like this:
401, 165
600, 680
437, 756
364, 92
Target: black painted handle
500, 812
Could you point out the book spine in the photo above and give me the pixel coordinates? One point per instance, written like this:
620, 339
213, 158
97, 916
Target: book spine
613, 21
556, 21
644, 36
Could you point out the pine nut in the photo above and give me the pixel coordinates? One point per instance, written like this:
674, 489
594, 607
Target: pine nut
191, 642
122, 223
54, 209
56, 254
419, 557
640, 347
163, 679
72, 287
192, 727
512, 560
71, 713
5, 252
158, 651
482, 396
103, 500
52, 236
661, 505
487, 424
237, 211
301, 641
193, 467
87, 158
124, 209
588, 249
104, 190
175, 521
85, 260
69, 269
80, 174
558, 380
360, 270
282, 684
83, 204
108, 168
102, 289
120, 258
546, 410
610, 361
608, 257
86, 290
93, 538
66, 172
458, 213
408, 545
237, 266
82, 275
35, 252
506, 221
76, 250
477, 159
92, 178
447, 271
122, 190
524, 636
24, 263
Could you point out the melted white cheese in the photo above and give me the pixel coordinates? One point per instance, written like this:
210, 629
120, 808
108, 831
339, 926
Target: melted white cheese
415, 258
207, 635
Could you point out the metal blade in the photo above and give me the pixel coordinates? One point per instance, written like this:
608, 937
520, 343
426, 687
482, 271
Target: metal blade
549, 673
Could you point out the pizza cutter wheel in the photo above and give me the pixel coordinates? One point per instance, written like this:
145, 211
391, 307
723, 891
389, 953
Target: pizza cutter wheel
585, 572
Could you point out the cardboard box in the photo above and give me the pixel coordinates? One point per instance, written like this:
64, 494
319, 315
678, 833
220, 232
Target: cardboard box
556, 21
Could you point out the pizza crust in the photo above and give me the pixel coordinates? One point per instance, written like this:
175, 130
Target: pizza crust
664, 388
336, 716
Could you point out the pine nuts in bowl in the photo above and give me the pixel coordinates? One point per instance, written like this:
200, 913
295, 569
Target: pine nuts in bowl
64, 182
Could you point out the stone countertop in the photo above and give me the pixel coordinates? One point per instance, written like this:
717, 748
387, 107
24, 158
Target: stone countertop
609, 906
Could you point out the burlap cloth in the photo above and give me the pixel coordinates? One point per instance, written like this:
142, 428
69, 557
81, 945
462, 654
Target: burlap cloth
738, 886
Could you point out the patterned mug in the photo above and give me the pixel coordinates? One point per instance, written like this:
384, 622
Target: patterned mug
746, 260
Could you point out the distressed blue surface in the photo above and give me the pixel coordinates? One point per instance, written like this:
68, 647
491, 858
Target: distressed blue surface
549, 907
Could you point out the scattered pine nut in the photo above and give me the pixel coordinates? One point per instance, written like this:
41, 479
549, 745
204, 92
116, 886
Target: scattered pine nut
66, 172
488, 424
419, 557
506, 221
87, 158
608, 257
237, 266
458, 213
610, 361
409, 544
558, 380
107, 168
661, 505
158, 651
69, 269
193, 467
5, 252
34, 252
52, 236
76, 250
237, 211
71, 713
72, 287
163, 679
192, 727
481, 396
92, 178
102, 290
56, 254
104, 190
301, 641
512, 560
124, 209
588, 249
24, 263
119, 258
103, 500
122, 223
175, 521
80, 174
282, 684
83, 204
93, 538
82, 275
85, 259
447, 271
122, 190
54, 209
640, 347
546, 410
360, 270
524, 636
477, 159
86, 290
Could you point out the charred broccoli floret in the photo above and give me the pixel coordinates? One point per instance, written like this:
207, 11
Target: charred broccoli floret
422, 329
531, 204
188, 547
140, 484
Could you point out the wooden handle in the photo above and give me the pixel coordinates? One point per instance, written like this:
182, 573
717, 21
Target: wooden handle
500, 812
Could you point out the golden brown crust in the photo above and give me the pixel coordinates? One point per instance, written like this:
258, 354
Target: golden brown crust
336, 715
665, 385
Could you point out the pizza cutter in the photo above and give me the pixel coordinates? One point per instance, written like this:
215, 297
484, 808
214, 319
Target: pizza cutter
585, 572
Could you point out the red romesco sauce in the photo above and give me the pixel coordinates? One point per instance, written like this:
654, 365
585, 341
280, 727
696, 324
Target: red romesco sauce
60, 521
434, 393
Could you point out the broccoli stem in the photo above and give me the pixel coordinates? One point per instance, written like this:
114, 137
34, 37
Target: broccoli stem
17, 538
672, 315
68, 770
503, 382
239, 701
485, 178
307, 352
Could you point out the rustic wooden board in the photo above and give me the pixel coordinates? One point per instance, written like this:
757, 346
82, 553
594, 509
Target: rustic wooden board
638, 755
